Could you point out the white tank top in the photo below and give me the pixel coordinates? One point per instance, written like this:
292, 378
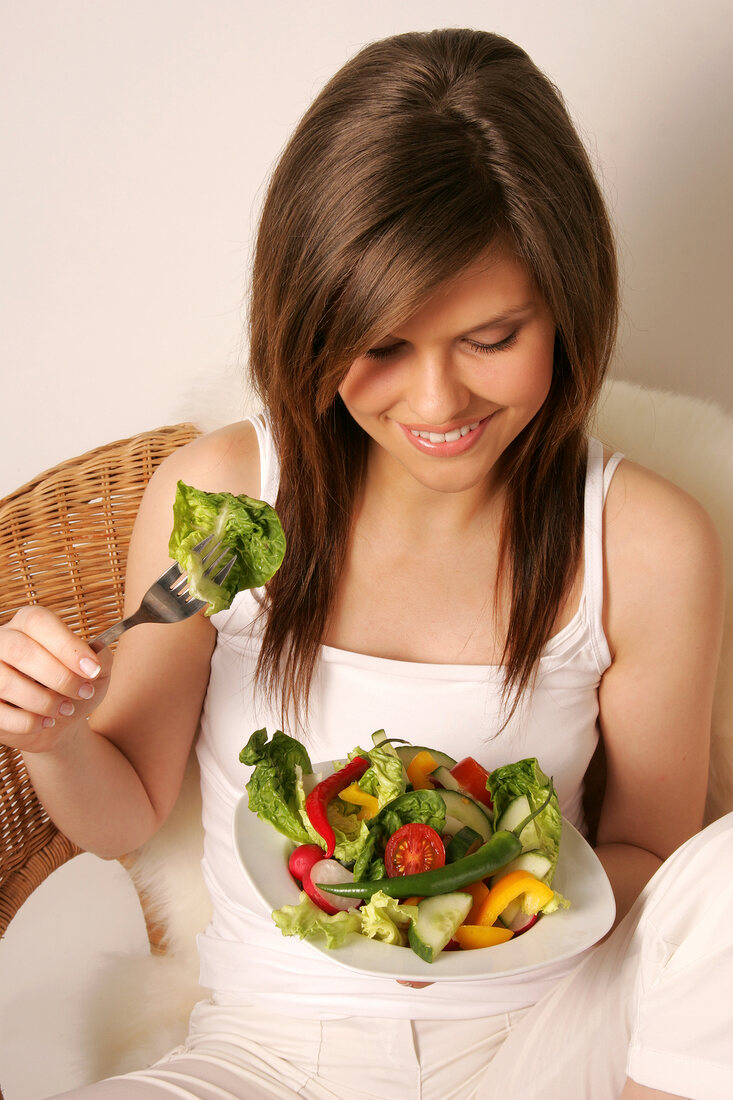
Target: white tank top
455, 708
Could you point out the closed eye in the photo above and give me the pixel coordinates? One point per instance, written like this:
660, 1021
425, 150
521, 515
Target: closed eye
389, 350
490, 349
382, 353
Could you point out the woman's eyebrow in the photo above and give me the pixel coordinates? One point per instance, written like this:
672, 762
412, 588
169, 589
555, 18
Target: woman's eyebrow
502, 318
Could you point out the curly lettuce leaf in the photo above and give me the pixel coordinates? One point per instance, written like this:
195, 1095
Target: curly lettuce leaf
249, 528
384, 779
386, 919
305, 920
382, 918
272, 788
525, 777
557, 901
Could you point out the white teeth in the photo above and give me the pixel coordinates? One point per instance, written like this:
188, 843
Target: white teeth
446, 437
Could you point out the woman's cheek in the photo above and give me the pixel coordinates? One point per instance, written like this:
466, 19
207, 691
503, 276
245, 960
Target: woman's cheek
368, 388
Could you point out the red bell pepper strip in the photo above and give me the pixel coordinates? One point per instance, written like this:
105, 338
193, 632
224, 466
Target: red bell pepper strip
316, 804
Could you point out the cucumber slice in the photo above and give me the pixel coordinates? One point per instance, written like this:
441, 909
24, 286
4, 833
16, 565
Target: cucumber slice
444, 777
458, 845
514, 815
437, 920
515, 812
468, 812
512, 910
406, 753
537, 863
379, 737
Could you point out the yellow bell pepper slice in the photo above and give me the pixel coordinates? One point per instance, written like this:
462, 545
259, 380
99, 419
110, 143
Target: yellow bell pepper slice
479, 891
419, 768
358, 797
472, 936
509, 887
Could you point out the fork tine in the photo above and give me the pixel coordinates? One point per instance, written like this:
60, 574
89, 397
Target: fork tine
222, 575
201, 545
212, 565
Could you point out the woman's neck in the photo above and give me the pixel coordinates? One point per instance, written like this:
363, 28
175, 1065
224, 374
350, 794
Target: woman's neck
391, 493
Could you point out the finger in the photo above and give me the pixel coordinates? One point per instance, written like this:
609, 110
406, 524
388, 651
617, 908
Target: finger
415, 985
38, 663
50, 632
29, 695
17, 724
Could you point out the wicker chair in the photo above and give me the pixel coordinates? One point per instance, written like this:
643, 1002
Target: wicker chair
63, 543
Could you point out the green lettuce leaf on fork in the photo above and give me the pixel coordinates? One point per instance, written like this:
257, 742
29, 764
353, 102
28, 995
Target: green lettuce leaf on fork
249, 528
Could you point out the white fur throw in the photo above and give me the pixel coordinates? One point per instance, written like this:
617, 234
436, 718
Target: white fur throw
140, 1008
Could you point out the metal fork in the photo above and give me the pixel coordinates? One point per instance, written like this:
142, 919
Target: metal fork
168, 600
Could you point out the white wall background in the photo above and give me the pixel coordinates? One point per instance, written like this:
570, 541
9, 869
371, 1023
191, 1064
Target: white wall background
136, 136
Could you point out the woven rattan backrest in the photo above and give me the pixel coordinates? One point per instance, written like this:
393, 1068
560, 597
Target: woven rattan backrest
63, 543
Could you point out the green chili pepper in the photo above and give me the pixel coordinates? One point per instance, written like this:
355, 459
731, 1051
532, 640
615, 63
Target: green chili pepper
501, 849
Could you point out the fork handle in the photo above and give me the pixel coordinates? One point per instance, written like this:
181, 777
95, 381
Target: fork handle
112, 633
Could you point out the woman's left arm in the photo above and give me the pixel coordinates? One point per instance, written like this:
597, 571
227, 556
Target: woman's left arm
663, 613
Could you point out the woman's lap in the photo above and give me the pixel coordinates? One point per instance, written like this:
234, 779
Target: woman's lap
658, 987
651, 1002
231, 1053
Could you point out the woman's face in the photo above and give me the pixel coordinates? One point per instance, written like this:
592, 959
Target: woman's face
447, 392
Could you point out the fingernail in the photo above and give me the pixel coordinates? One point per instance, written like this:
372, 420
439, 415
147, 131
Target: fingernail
86, 691
89, 667
66, 708
48, 722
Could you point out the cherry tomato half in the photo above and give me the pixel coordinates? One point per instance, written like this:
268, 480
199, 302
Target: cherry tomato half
472, 778
413, 848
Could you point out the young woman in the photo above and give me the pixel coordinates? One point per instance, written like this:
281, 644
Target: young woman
433, 310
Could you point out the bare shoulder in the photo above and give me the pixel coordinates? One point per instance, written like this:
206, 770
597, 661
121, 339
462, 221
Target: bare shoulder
661, 546
226, 460
646, 512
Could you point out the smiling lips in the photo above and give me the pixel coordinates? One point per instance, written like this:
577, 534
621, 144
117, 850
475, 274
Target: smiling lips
453, 442
446, 437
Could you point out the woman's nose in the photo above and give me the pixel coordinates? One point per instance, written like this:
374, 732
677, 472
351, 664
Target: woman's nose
436, 394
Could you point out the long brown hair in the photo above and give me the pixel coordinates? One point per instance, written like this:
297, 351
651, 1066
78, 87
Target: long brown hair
420, 153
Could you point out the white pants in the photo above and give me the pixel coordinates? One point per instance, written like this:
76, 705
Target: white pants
654, 1002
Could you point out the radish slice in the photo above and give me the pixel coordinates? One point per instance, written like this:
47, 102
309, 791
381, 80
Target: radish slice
328, 871
515, 919
522, 922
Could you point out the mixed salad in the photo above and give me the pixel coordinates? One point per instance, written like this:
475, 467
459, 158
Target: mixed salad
402, 843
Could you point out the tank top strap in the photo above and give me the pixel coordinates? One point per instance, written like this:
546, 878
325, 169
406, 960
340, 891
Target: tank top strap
269, 462
597, 481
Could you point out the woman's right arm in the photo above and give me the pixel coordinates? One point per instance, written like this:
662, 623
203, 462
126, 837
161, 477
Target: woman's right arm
109, 774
